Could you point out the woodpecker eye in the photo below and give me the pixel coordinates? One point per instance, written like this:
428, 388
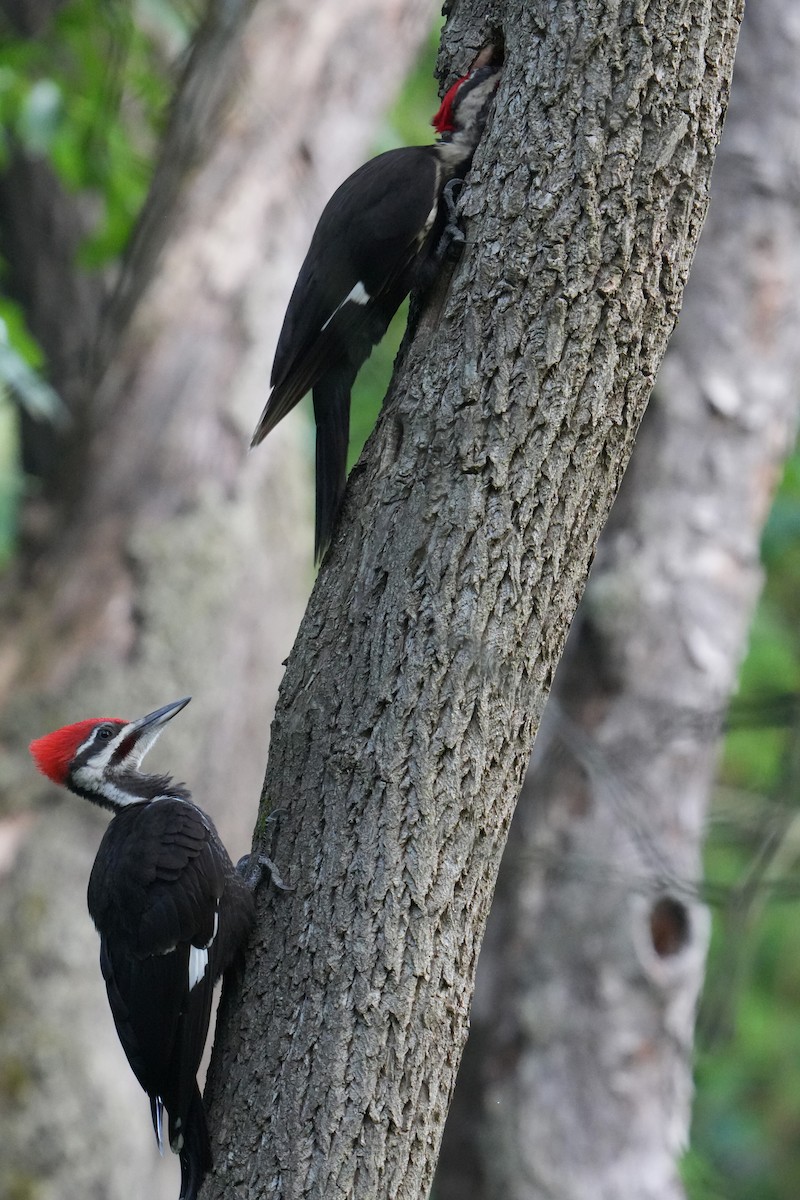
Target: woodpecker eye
104, 733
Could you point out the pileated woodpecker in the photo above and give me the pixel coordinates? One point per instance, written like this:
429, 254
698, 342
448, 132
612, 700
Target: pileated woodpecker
378, 237
171, 910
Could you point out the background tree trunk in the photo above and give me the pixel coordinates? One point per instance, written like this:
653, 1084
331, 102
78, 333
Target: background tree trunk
184, 563
576, 1079
409, 702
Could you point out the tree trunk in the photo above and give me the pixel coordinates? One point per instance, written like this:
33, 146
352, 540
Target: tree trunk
410, 699
184, 563
577, 1076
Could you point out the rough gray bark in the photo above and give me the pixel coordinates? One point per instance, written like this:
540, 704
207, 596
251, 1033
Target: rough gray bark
577, 1076
182, 569
410, 699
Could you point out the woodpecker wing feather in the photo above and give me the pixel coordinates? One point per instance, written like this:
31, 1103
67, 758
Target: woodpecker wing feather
358, 269
141, 995
196, 1151
155, 894
171, 910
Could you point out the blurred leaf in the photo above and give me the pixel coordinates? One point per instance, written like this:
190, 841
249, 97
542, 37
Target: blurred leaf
16, 332
92, 96
36, 396
10, 480
39, 116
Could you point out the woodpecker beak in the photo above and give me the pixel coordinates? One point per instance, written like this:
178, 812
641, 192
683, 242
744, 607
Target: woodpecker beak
138, 736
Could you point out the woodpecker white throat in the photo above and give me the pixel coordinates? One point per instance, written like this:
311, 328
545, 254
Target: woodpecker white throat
171, 910
379, 236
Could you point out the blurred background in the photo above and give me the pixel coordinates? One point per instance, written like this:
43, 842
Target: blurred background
151, 225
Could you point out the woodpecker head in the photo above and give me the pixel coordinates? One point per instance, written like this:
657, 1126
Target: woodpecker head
100, 758
462, 114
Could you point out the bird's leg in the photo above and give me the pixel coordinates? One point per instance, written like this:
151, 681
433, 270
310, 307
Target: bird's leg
449, 245
452, 238
252, 867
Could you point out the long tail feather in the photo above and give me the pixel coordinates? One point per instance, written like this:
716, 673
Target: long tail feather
332, 414
195, 1152
157, 1113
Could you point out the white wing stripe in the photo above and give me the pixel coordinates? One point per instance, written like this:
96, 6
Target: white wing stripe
358, 295
198, 964
215, 930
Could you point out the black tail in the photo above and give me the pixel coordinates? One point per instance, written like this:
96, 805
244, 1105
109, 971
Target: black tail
195, 1153
332, 414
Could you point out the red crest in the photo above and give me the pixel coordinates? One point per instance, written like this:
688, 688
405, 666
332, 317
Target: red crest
53, 752
443, 121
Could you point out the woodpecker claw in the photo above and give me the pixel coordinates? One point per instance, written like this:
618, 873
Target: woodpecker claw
253, 871
450, 194
452, 238
266, 864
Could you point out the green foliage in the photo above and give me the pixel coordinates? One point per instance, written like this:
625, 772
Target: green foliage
20, 382
747, 1106
10, 479
90, 96
18, 375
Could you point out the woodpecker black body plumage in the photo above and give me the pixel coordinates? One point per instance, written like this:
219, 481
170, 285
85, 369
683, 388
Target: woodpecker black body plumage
377, 239
171, 910
374, 234
172, 913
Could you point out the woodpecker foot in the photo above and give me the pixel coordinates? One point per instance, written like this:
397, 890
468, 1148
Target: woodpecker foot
263, 863
253, 867
452, 190
452, 238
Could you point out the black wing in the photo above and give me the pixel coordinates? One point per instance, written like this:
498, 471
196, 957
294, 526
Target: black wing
365, 245
155, 894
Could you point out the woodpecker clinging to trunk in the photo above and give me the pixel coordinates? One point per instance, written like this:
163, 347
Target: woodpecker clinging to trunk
378, 237
171, 910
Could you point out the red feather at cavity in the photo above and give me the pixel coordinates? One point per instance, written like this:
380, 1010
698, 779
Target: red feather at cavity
443, 121
53, 752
